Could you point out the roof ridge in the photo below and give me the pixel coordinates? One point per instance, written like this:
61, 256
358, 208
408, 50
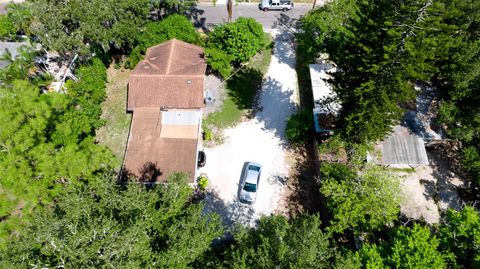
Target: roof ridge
170, 56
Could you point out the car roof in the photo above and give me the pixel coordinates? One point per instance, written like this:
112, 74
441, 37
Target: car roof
251, 176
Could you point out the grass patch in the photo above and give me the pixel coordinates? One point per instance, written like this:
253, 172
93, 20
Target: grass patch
114, 133
407, 170
241, 90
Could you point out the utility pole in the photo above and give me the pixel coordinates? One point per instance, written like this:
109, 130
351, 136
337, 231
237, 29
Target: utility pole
230, 10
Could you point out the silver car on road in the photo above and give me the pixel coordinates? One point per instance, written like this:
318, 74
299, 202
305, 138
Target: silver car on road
249, 182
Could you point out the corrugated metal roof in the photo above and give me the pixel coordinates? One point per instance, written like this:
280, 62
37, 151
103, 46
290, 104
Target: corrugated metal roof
321, 88
403, 148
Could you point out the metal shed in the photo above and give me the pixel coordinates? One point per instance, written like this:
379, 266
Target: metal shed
401, 149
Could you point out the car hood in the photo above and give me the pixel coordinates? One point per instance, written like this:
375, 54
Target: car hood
248, 197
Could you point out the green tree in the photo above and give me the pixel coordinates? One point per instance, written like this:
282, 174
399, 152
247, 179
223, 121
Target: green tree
47, 141
103, 224
406, 248
371, 257
21, 16
7, 29
299, 127
460, 235
241, 39
173, 6
80, 26
219, 61
277, 242
415, 248
363, 201
459, 81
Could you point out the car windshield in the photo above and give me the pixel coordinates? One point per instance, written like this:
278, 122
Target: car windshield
253, 168
250, 187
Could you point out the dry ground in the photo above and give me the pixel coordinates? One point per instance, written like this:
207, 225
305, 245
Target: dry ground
114, 133
432, 188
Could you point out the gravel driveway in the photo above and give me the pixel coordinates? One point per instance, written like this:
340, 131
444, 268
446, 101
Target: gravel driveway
260, 140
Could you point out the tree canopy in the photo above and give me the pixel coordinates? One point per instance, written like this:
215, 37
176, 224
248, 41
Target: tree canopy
81, 26
241, 39
277, 242
47, 140
409, 248
103, 224
460, 235
364, 201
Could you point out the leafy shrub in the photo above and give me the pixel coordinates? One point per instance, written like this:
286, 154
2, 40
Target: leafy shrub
299, 126
7, 29
241, 39
173, 26
203, 182
85, 97
219, 61
207, 134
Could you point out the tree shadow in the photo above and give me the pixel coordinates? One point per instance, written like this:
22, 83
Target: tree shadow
147, 174
199, 22
277, 107
243, 87
285, 20
284, 47
450, 178
231, 213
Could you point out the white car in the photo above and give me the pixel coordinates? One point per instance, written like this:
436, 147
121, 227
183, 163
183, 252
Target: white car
249, 182
282, 5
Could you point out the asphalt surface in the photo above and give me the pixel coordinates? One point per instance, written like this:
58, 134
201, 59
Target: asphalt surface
207, 15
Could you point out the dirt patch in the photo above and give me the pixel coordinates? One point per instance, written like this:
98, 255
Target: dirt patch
430, 189
302, 190
114, 133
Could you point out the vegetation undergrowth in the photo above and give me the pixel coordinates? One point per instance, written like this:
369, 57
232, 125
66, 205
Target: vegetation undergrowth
241, 90
114, 133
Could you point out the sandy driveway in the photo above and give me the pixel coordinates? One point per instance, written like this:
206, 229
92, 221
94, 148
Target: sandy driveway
260, 140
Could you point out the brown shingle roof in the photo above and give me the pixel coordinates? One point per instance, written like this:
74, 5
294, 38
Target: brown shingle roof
154, 154
171, 76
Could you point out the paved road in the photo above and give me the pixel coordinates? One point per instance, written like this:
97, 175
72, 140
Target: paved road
207, 15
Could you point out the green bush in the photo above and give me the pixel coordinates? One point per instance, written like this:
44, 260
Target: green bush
203, 182
219, 61
241, 39
299, 126
7, 29
208, 134
173, 26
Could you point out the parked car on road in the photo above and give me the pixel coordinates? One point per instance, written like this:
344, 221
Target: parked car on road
249, 182
282, 5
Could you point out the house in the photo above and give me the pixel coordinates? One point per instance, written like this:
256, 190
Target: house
326, 106
166, 97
